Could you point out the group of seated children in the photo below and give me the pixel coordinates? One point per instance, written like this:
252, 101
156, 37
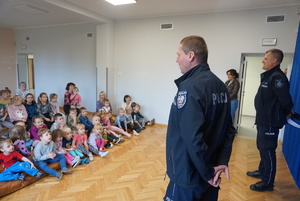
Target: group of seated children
72, 140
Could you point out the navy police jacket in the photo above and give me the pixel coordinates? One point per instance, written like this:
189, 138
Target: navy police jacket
273, 101
200, 131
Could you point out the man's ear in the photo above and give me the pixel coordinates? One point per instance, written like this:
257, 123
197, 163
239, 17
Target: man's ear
191, 55
275, 61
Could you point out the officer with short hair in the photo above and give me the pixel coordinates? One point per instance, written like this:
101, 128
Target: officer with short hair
200, 132
273, 103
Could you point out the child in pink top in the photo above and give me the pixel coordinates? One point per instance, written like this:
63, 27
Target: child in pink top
17, 111
80, 141
106, 124
57, 136
75, 100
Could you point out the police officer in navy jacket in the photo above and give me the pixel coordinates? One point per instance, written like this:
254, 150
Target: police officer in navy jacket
273, 103
200, 132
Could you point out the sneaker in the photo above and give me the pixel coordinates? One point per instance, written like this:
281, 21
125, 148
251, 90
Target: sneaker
75, 161
117, 140
91, 157
85, 160
128, 135
135, 133
109, 145
66, 171
59, 175
22, 177
103, 154
38, 175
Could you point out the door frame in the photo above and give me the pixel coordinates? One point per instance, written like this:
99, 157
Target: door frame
243, 69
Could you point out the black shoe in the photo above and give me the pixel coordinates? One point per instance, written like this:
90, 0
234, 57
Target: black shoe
255, 174
38, 175
260, 187
22, 177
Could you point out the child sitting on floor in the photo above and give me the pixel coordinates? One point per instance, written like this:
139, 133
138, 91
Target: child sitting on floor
106, 124
107, 110
45, 153
121, 122
17, 135
110, 136
67, 145
96, 141
13, 168
129, 121
55, 106
140, 119
72, 120
27, 139
45, 109
59, 122
80, 141
57, 139
75, 100
17, 111
4, 121
31, 108
83, 118
38, 123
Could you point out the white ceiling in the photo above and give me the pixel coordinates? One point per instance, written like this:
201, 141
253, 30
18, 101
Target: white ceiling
57, 12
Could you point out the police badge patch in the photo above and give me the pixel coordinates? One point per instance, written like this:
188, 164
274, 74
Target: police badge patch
181, 99
279, 83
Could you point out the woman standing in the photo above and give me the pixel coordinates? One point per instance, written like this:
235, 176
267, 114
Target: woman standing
233, 87
67, 102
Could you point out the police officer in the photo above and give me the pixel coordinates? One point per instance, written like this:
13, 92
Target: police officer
200, 132
273, 103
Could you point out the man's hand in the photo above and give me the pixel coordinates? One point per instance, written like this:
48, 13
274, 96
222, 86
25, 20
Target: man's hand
216, 179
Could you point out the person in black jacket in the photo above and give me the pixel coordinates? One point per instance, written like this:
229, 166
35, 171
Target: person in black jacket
200, 132
273, 103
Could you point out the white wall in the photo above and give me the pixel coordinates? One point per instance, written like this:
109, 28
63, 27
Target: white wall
145, 56
105, 60
141, 57
62, 54
252, 80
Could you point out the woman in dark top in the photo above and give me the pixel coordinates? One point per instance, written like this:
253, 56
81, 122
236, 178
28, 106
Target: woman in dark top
233, 87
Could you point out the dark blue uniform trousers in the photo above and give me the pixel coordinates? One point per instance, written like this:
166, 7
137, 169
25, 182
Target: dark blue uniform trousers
202, 193
266, 141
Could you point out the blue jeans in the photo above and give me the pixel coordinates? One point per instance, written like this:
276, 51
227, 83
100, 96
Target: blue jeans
234, 105
12, 172
43, 165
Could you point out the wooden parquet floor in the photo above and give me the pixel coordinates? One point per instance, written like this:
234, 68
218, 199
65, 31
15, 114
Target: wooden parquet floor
135, 169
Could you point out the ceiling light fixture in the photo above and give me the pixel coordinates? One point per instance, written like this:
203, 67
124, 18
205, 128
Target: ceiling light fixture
120, 2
